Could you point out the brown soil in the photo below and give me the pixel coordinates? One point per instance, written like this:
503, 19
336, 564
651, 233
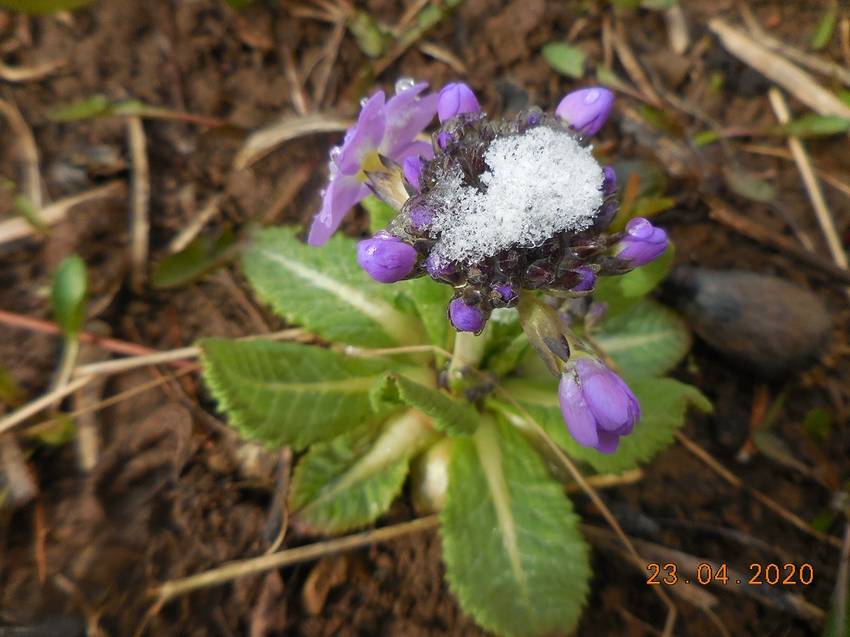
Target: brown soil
175, 493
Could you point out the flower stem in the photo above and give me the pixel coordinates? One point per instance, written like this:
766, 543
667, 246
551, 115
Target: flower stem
467, 354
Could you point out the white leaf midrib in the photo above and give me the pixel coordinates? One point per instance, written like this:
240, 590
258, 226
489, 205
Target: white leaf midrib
393, 322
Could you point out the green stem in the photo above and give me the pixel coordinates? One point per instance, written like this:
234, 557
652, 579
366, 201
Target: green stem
69, 360
467, 354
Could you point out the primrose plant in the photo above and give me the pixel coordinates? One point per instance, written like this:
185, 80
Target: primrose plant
495, 329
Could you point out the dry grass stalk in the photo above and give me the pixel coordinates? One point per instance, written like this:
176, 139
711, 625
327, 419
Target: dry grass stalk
812, 62
17, 228
30, 73
263, 141
778, 69
804, 164
768, 502
139, 202
194, 227
242, 568
28, 149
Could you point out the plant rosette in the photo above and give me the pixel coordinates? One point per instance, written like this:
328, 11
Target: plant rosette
491, 243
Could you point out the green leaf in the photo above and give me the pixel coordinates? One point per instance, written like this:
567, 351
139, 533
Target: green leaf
27, 209
367, 33
650, 206
380, 213
819, 423
658, 118
351, 480
825, 28
663, 403
705, 138
10, 391
287, 393
607, 77
40, 7
814, 125
450, 415
646, 340
565, 58
744, 184
506, 343
431, 300
325, 290
514, 555
622, 292
657, 5
838, 619
100, 106
68, 295
203, 254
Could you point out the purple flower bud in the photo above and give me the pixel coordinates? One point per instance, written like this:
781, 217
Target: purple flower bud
609, 181
597, 405
643, 242
456, 98
444, 139
386, 258
412, 169
438, 270
586, 109
421, 217
465, 318
507, 292
586, 281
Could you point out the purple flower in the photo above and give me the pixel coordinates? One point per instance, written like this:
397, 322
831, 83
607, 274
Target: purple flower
412, 169
586, 109
383, 127
507, 292
386, 258
438, 269
642, 243
597, 405
609, 181
586, 281
465, 318
421, 217
456, 98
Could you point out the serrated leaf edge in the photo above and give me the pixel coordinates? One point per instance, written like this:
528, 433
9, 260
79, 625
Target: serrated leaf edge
400, 327
409, 433
217, 387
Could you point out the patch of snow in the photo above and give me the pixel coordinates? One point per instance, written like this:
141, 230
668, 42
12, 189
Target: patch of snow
539, 184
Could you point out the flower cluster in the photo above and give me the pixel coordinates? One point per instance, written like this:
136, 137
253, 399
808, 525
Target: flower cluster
495, 208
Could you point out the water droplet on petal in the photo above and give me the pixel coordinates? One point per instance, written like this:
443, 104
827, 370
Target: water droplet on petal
336, 151
404, 84
363, 102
